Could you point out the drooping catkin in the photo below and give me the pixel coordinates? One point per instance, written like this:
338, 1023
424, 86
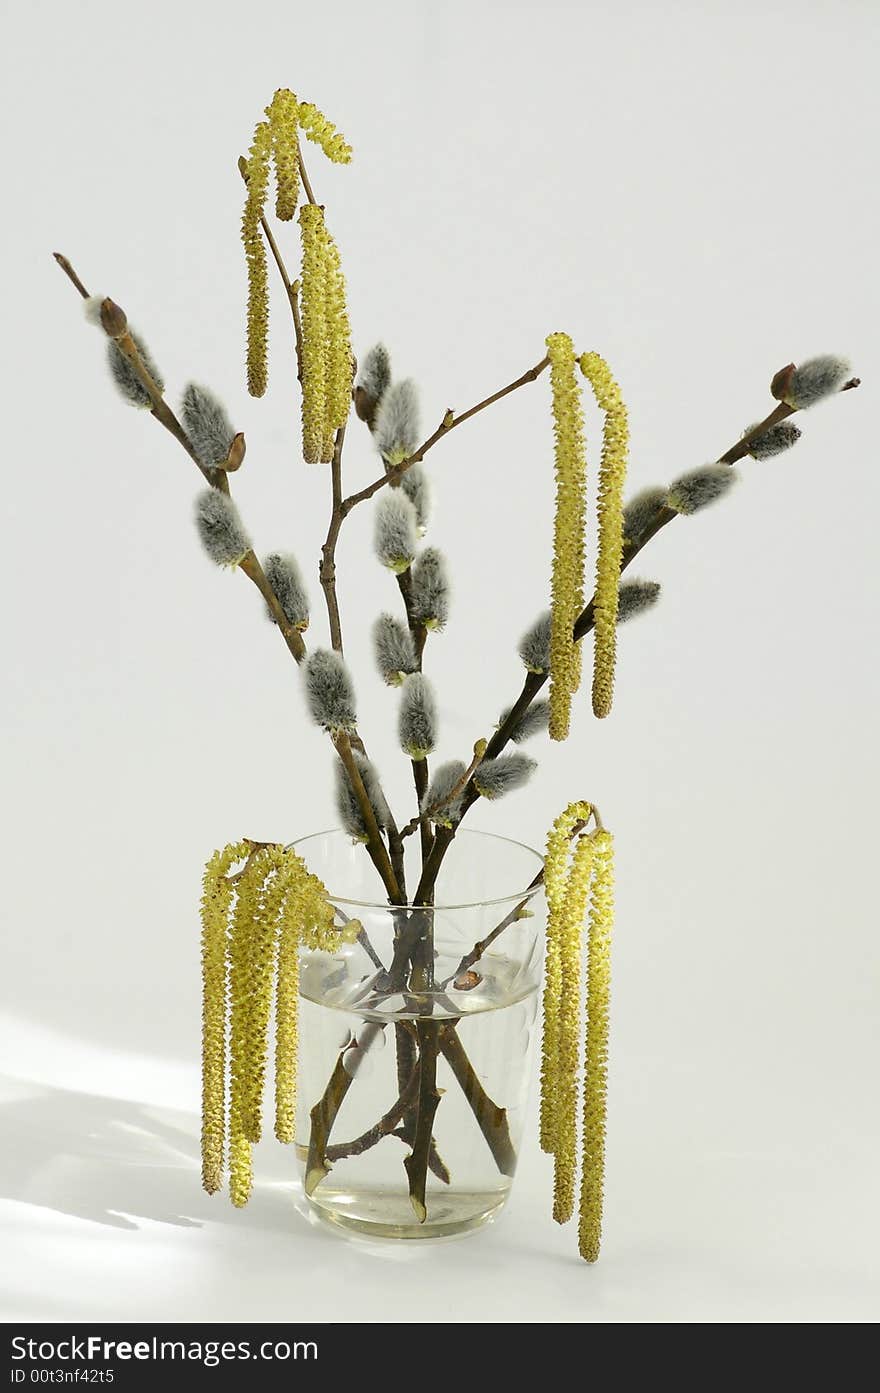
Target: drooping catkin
340, 362
264, 938
612, 473
279, 905
241, 1082
567, 584
555, 887
596, 1063
216, 901
257, 172
569, 1046
315, 352
283, 113
316, 127
286, 1015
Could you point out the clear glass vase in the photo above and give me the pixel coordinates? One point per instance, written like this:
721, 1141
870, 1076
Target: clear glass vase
415, 1040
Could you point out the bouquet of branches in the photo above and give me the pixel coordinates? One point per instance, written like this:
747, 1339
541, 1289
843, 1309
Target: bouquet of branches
265, 913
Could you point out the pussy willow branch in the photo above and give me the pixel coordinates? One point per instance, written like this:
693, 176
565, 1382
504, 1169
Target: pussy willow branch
251, 567
457, 788
583, 625
327, 571
449, 422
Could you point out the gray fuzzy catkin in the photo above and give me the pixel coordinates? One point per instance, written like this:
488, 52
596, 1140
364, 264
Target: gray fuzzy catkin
533, 721
394, 649
125, 377
816, 379
640, 511
396, 428
495, 777
700, 487
636, 596
443, 781
207, 425
329, 691
374, 372
414, 483
774, 441
285, 578
534, 646
430, 589
417, 721
92, 309
220, 528
395, 536
350, 812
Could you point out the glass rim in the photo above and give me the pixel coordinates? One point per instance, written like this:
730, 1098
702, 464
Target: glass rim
385, 905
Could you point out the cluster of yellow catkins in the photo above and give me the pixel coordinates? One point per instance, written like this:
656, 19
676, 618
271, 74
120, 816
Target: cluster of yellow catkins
253, 924
590, 876
569, 544
326, 365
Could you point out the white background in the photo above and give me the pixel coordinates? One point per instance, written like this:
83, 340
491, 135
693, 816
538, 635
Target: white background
688, 188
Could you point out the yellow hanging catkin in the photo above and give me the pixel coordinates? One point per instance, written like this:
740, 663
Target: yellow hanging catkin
315, 356
255, 256
315, 125
286, 999
596, 1065
339, 355
283, 112
306, 918
248, 888
264, 939
555, 885
568, 1065
216, 900
567, 584
612, 472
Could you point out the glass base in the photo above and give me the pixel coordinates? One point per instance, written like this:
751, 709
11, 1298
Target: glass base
381, 1214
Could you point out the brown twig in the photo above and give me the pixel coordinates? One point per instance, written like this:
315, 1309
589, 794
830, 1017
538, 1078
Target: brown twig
491, 1118
327, 571
458, 787
416, 1163
449, 422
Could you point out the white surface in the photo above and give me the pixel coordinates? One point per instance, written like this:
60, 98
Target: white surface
686, 188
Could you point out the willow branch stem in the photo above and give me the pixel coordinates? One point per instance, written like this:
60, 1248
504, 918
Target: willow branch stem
449, 423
